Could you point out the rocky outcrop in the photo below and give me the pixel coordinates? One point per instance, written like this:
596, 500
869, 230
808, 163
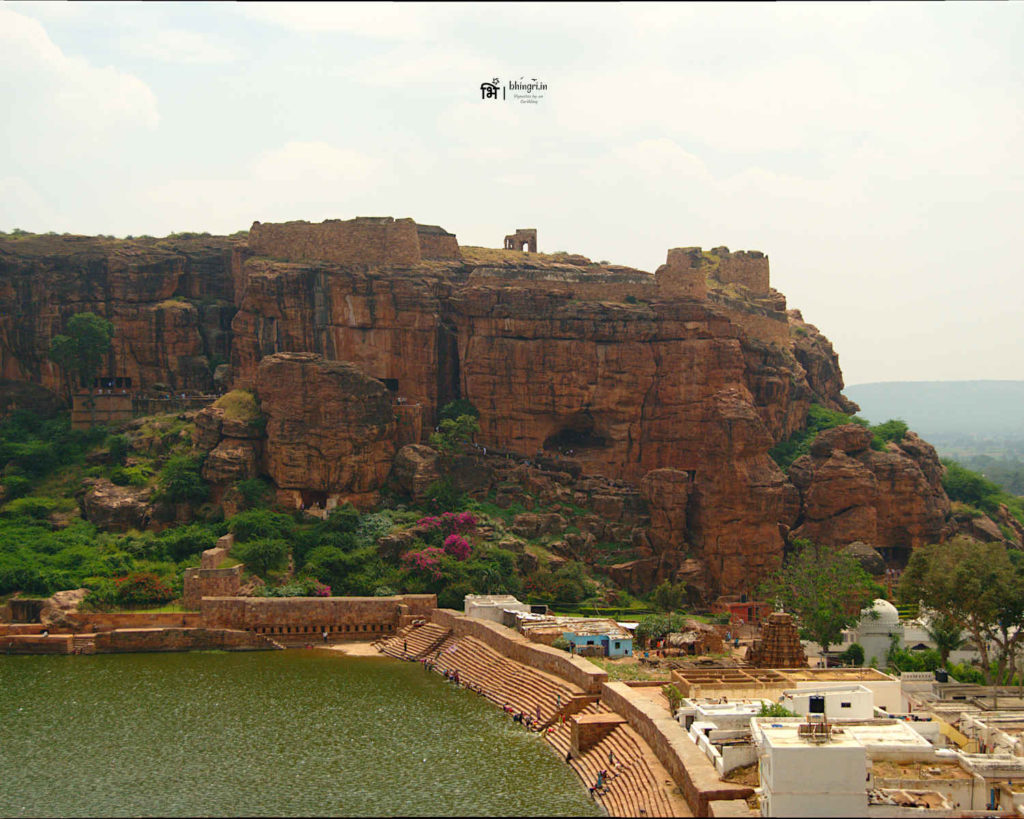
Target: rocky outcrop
851, 492
61, 610
330, 428
415, 469
870, 559
115, 508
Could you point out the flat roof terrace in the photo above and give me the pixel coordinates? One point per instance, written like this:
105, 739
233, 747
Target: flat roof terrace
705, 682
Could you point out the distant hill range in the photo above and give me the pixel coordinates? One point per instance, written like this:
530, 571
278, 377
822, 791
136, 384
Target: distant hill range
943, 408
978, 423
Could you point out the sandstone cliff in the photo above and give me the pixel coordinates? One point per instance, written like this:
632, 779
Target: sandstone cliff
170, 301
355, 333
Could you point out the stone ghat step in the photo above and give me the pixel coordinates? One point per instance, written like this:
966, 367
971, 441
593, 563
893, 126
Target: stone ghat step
634, 790
418, 642
504, 681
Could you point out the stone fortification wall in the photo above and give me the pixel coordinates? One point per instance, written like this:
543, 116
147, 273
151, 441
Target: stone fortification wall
200, 583
211, 558
353, 616
684, 274
746, 267
437, 243
581, 284
179, 639
684, 761
761, 323
516, 647
362, 242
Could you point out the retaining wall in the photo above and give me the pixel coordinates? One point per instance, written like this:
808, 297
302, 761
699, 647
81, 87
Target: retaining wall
337, 614
103, 621
179, 639
517, 647
36, 644
684, 761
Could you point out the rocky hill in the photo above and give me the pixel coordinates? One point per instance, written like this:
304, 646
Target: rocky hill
669, 388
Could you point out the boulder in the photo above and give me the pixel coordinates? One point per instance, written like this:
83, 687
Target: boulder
115, 508
61, 610
416, 467
232, 460
208, 423
870, 559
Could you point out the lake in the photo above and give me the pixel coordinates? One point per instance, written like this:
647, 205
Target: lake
284, 733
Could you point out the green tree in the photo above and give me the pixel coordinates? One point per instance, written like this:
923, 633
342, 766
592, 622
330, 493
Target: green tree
118, 447
263, 555
181, 481
978, 587
261, 523
457, 408
670, 596
80, 350
854, 655
454, 434
947, 635
824, 588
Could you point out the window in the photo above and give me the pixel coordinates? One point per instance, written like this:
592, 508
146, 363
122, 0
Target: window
844, 705
590, 642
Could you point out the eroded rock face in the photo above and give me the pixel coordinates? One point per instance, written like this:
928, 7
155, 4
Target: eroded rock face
850, 492
115, 508
232, 460
171, 305
330, 428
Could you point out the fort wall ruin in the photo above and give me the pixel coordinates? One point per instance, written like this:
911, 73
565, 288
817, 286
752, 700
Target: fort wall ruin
360, 242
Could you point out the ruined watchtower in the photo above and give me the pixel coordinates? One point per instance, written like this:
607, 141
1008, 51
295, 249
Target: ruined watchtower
523, 239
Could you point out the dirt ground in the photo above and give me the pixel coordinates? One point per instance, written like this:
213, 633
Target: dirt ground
353, 649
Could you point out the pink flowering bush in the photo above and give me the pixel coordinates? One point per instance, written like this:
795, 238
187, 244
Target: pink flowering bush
457, 546
321, 590
433, 530
426, 561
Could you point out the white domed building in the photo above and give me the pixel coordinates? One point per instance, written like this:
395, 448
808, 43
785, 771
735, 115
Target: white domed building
879, 623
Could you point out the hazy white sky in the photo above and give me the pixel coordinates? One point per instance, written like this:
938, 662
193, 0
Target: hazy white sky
875, 152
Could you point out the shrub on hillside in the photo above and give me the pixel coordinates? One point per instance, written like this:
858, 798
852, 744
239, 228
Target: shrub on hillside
263, 555
143, 589
181, 480
30, 507
261, 523
255, 493
184, 541
16, 486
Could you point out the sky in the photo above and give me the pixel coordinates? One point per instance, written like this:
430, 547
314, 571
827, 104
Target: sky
875, 152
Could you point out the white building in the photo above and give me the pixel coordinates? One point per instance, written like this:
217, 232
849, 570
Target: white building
841, 702
491, 606
879, 624
721, 729
878, 768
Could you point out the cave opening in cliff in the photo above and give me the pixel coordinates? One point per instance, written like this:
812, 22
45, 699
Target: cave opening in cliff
313, 497
576, 434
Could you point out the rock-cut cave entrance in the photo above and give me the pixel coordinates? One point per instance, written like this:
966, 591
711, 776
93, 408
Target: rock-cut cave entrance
577, 433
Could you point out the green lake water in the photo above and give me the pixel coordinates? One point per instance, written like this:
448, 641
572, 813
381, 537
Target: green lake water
284, 733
